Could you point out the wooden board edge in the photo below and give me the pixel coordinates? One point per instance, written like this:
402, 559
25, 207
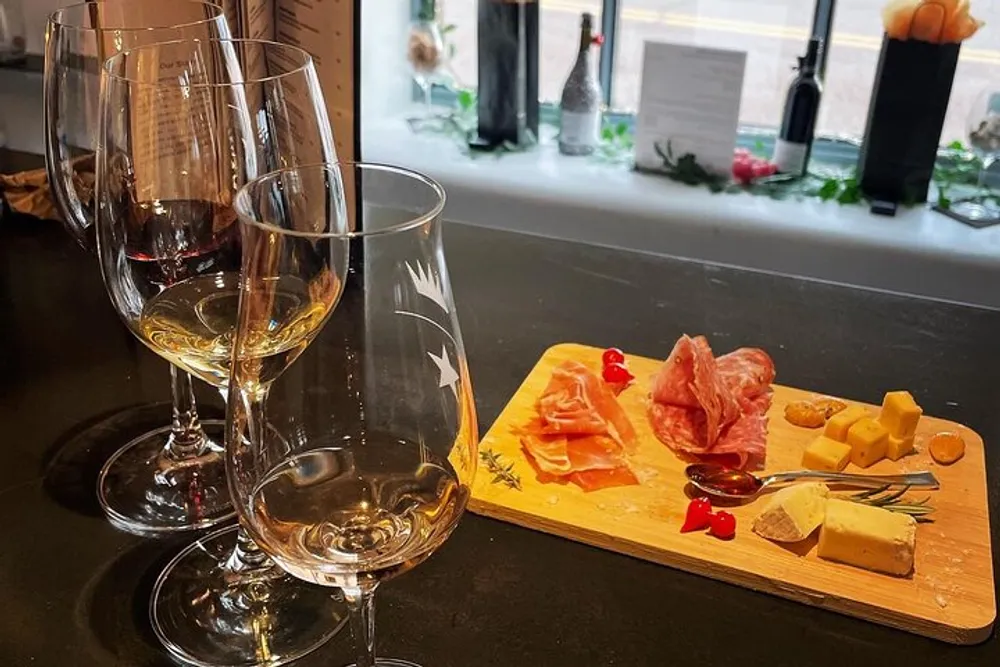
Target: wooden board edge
860, 611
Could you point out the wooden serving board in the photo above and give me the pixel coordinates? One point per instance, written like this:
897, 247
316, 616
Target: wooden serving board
949, 597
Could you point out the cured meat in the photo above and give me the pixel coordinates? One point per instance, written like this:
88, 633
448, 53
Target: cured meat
580, 433
706, 406
576, 402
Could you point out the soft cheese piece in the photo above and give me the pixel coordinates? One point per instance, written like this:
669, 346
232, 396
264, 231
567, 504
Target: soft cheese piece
868, 440
793, 513
870, 537
897, 448
900, 414
838, 424
824, 453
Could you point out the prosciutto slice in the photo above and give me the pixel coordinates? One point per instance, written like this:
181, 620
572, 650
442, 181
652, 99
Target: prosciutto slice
713, 407
580, 433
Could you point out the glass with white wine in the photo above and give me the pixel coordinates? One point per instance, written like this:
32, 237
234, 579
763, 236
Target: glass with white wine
183, 125
356, 463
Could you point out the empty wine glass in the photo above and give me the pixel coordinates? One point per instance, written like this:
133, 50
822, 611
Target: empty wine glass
172, 478
355, 464
983, 129
425, 50
183, 125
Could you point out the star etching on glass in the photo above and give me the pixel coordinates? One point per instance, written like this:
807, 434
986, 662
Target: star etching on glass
427, 284
449, 376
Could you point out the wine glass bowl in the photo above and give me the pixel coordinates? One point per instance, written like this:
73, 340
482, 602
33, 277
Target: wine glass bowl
356, 463
184, 124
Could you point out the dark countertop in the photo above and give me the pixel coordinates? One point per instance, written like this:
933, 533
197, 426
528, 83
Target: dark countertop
75, 591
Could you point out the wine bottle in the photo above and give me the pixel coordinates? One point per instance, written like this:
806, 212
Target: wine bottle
580, 105
798, 124
508, 73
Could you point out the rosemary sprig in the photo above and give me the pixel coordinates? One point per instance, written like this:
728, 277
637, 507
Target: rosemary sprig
895, 502
686, 169
502, 474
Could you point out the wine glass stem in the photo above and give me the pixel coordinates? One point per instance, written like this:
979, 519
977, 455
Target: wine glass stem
361, 605
988, 161
426, 88
187, 439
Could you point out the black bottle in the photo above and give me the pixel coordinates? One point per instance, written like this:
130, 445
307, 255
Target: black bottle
798, 125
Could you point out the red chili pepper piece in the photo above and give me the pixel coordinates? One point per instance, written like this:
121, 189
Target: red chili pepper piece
613, 355
597, 39
699, 515
615, 373
723, 525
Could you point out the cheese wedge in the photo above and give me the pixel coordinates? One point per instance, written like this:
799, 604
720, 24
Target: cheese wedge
870, 537
793, 513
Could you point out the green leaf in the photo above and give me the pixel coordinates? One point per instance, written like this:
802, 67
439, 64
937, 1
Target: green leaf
450, 27
851, 192
607, 134
956, 146
621, 129
829, 189
465, 99
758, 146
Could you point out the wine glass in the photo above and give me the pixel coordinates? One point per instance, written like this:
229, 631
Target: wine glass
983, 129
183, 125
425, 52
172, 478
355, 464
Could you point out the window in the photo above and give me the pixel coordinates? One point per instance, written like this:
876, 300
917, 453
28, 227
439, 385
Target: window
772, 32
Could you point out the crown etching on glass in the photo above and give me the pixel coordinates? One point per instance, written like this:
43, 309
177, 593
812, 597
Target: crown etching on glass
427, 284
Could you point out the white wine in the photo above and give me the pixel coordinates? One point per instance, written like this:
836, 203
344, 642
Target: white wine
346, 516
192, 323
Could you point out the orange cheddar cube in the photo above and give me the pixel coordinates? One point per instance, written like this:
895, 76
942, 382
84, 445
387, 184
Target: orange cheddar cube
869, 441
900, 414
824, 453
897, 448
838, 424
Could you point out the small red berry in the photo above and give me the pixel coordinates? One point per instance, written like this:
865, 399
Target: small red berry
699, 515
723, 525
616, 372
613, 355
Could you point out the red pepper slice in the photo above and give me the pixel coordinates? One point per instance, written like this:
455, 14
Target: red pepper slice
616, 373
699, 515
723, 525
612, 355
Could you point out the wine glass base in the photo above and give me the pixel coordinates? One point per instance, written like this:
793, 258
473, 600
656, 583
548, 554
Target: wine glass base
207, 614
977, 211
390, 662
145, 493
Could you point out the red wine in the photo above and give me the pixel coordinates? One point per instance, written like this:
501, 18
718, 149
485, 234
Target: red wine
798, 125
167, 241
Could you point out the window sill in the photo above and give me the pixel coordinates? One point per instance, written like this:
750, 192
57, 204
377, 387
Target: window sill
541, 192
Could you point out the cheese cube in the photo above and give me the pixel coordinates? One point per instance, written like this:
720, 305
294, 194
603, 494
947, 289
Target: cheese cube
897, 448
793, 512
826, 454
868, 440
870, 537
900, 414
837, 425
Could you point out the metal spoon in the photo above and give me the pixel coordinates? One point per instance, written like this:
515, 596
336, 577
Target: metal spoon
726, 482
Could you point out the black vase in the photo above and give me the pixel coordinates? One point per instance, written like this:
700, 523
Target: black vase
508, 72
905, 116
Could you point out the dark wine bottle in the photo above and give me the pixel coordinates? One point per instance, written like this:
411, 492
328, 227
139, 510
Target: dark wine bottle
798, 124
508, 73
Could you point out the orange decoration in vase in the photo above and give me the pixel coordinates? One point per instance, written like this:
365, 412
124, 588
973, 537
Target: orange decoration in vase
932, 21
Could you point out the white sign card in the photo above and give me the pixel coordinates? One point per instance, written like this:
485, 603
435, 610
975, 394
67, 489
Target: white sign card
690, 96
